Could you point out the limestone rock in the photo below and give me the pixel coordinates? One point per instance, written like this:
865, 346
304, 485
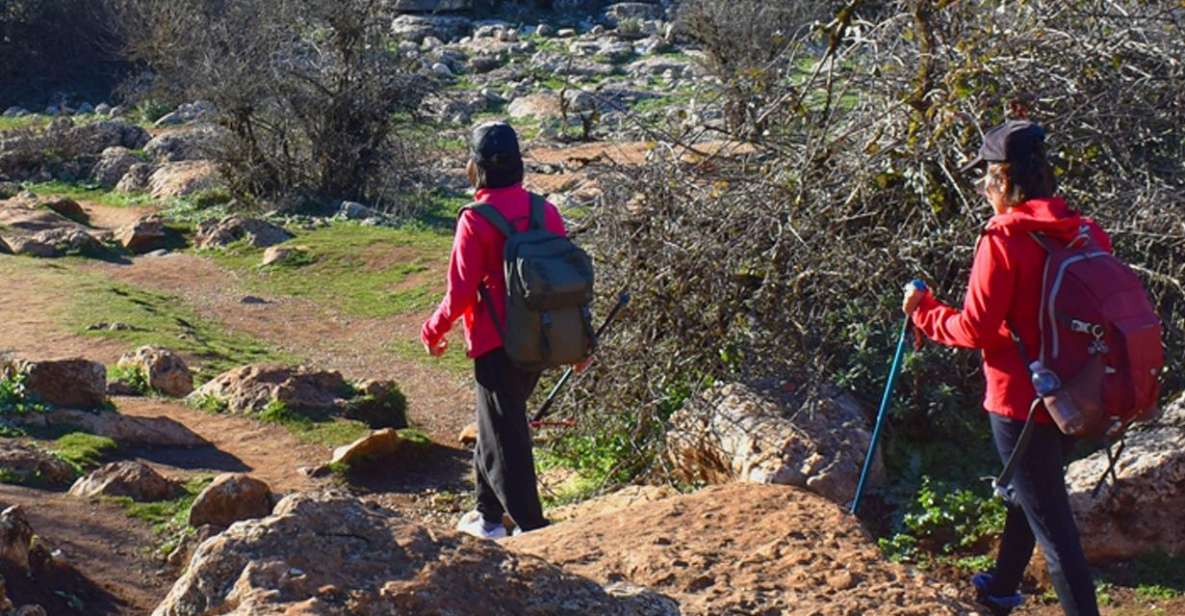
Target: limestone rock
16, 538
29, 464
186, 113
429, 6
71, 383
248, 389
540, 105
743, 548
196, 143
113, 164
276, 255
164, 370
378, 447
123, 429
616, 13
144, 235
55, 243
416, 28
135, 480
735, 432
620, 500
229, 498
136, 179
258, 233
182, 178
67, 208
1145, 511
279, 564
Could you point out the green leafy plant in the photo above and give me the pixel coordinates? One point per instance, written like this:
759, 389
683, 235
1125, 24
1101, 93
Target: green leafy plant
132, 376
946, 522
15, 398
208, 403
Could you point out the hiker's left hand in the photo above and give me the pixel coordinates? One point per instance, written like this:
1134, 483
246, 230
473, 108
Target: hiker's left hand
913, 297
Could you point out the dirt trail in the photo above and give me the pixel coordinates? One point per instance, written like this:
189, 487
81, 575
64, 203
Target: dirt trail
99, 541
438, 402
238, 444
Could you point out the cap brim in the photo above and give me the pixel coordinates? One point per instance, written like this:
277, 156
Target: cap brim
974, 164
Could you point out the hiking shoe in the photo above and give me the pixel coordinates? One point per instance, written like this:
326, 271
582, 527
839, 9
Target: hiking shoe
997, 605
473, 524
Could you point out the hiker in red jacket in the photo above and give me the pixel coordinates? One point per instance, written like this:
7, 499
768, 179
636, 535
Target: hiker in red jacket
1003, 298
503, 462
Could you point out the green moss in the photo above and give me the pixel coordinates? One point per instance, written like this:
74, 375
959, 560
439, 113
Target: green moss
331, 432
163, 320
359, 270
131, 376
208, 403
84, 451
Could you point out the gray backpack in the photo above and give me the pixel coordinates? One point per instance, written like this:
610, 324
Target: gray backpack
549, 286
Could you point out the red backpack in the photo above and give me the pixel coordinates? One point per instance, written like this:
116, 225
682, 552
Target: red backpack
1100, 335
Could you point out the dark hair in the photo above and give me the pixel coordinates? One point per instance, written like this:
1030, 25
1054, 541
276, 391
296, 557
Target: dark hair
502, 171
1030, 178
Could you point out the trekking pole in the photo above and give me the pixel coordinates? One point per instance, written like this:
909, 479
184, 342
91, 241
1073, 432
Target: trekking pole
622, 299
884, 409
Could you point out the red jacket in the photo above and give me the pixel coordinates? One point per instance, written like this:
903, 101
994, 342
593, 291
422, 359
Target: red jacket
476, 258
1006, 287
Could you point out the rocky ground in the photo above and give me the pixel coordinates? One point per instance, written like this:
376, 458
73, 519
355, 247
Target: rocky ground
300, 337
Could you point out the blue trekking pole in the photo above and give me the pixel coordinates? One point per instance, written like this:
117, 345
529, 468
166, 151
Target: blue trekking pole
884, 410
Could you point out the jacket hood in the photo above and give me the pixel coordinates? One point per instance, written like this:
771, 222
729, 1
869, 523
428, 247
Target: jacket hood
1051, 216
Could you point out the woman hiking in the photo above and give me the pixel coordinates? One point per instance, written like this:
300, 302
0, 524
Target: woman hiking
1003, 298
502, 461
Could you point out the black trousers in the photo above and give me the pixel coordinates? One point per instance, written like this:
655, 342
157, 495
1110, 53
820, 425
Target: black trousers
503, 462
1039, 511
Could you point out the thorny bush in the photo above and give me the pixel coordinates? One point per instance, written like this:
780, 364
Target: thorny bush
310, 91
783, 258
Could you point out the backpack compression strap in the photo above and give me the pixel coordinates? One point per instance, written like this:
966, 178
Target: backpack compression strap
538, 212
494, 217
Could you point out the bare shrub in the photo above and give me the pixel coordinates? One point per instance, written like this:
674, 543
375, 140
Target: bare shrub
309, 89
782, 260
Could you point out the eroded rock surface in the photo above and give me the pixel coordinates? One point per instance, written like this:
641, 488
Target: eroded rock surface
135, 480
164, 371
229, 498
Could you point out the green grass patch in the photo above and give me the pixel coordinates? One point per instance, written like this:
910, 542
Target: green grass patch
89, 192
360, 270
170, 518
578, 487
83, 451
331, 432
132, 376
24, 122
163, 320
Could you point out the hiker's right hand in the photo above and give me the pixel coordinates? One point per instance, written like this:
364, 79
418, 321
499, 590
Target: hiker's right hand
437, 349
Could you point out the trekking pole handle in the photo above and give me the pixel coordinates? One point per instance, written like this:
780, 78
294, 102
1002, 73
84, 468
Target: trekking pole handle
622, 299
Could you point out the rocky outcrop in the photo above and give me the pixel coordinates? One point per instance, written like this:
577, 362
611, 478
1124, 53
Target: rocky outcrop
183, 178
280, 255
113, 164
123, 429
332, 554
229, 498
249, 389
196, 143
1144, 512
16, 538
186, 113
542, 106
257, 233
134, 480
71, 383
21, 463
29, 229
735, 432
136, 179
64, 149
629, 496
416, 28
164, 371
145, 235
743, 549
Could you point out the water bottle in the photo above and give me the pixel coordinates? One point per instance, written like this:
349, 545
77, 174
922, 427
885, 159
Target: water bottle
1059, 403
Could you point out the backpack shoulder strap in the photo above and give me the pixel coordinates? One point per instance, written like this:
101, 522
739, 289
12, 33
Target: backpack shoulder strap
538, 212
492, 216
1043, 242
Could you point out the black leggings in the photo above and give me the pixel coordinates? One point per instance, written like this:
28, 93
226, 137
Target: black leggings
1040, 511
503, 462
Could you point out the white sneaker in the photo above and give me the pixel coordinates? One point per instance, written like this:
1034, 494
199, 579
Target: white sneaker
473, 524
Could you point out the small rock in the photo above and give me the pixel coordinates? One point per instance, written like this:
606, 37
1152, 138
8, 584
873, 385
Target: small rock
566, 32
114, 163
135, 480
276, 255
103, 109
68, 208
468, 435
16, 538
545, 31
229, 498
597, 30
251, 299
144, 235
842, 580
442, 69
135, 180
164, 370
258, 233
183, 178
86, 108
380, 404
351, 210
379, 447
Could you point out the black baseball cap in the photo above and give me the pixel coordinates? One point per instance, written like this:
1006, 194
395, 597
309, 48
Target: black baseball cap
494, 144
1012, 141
